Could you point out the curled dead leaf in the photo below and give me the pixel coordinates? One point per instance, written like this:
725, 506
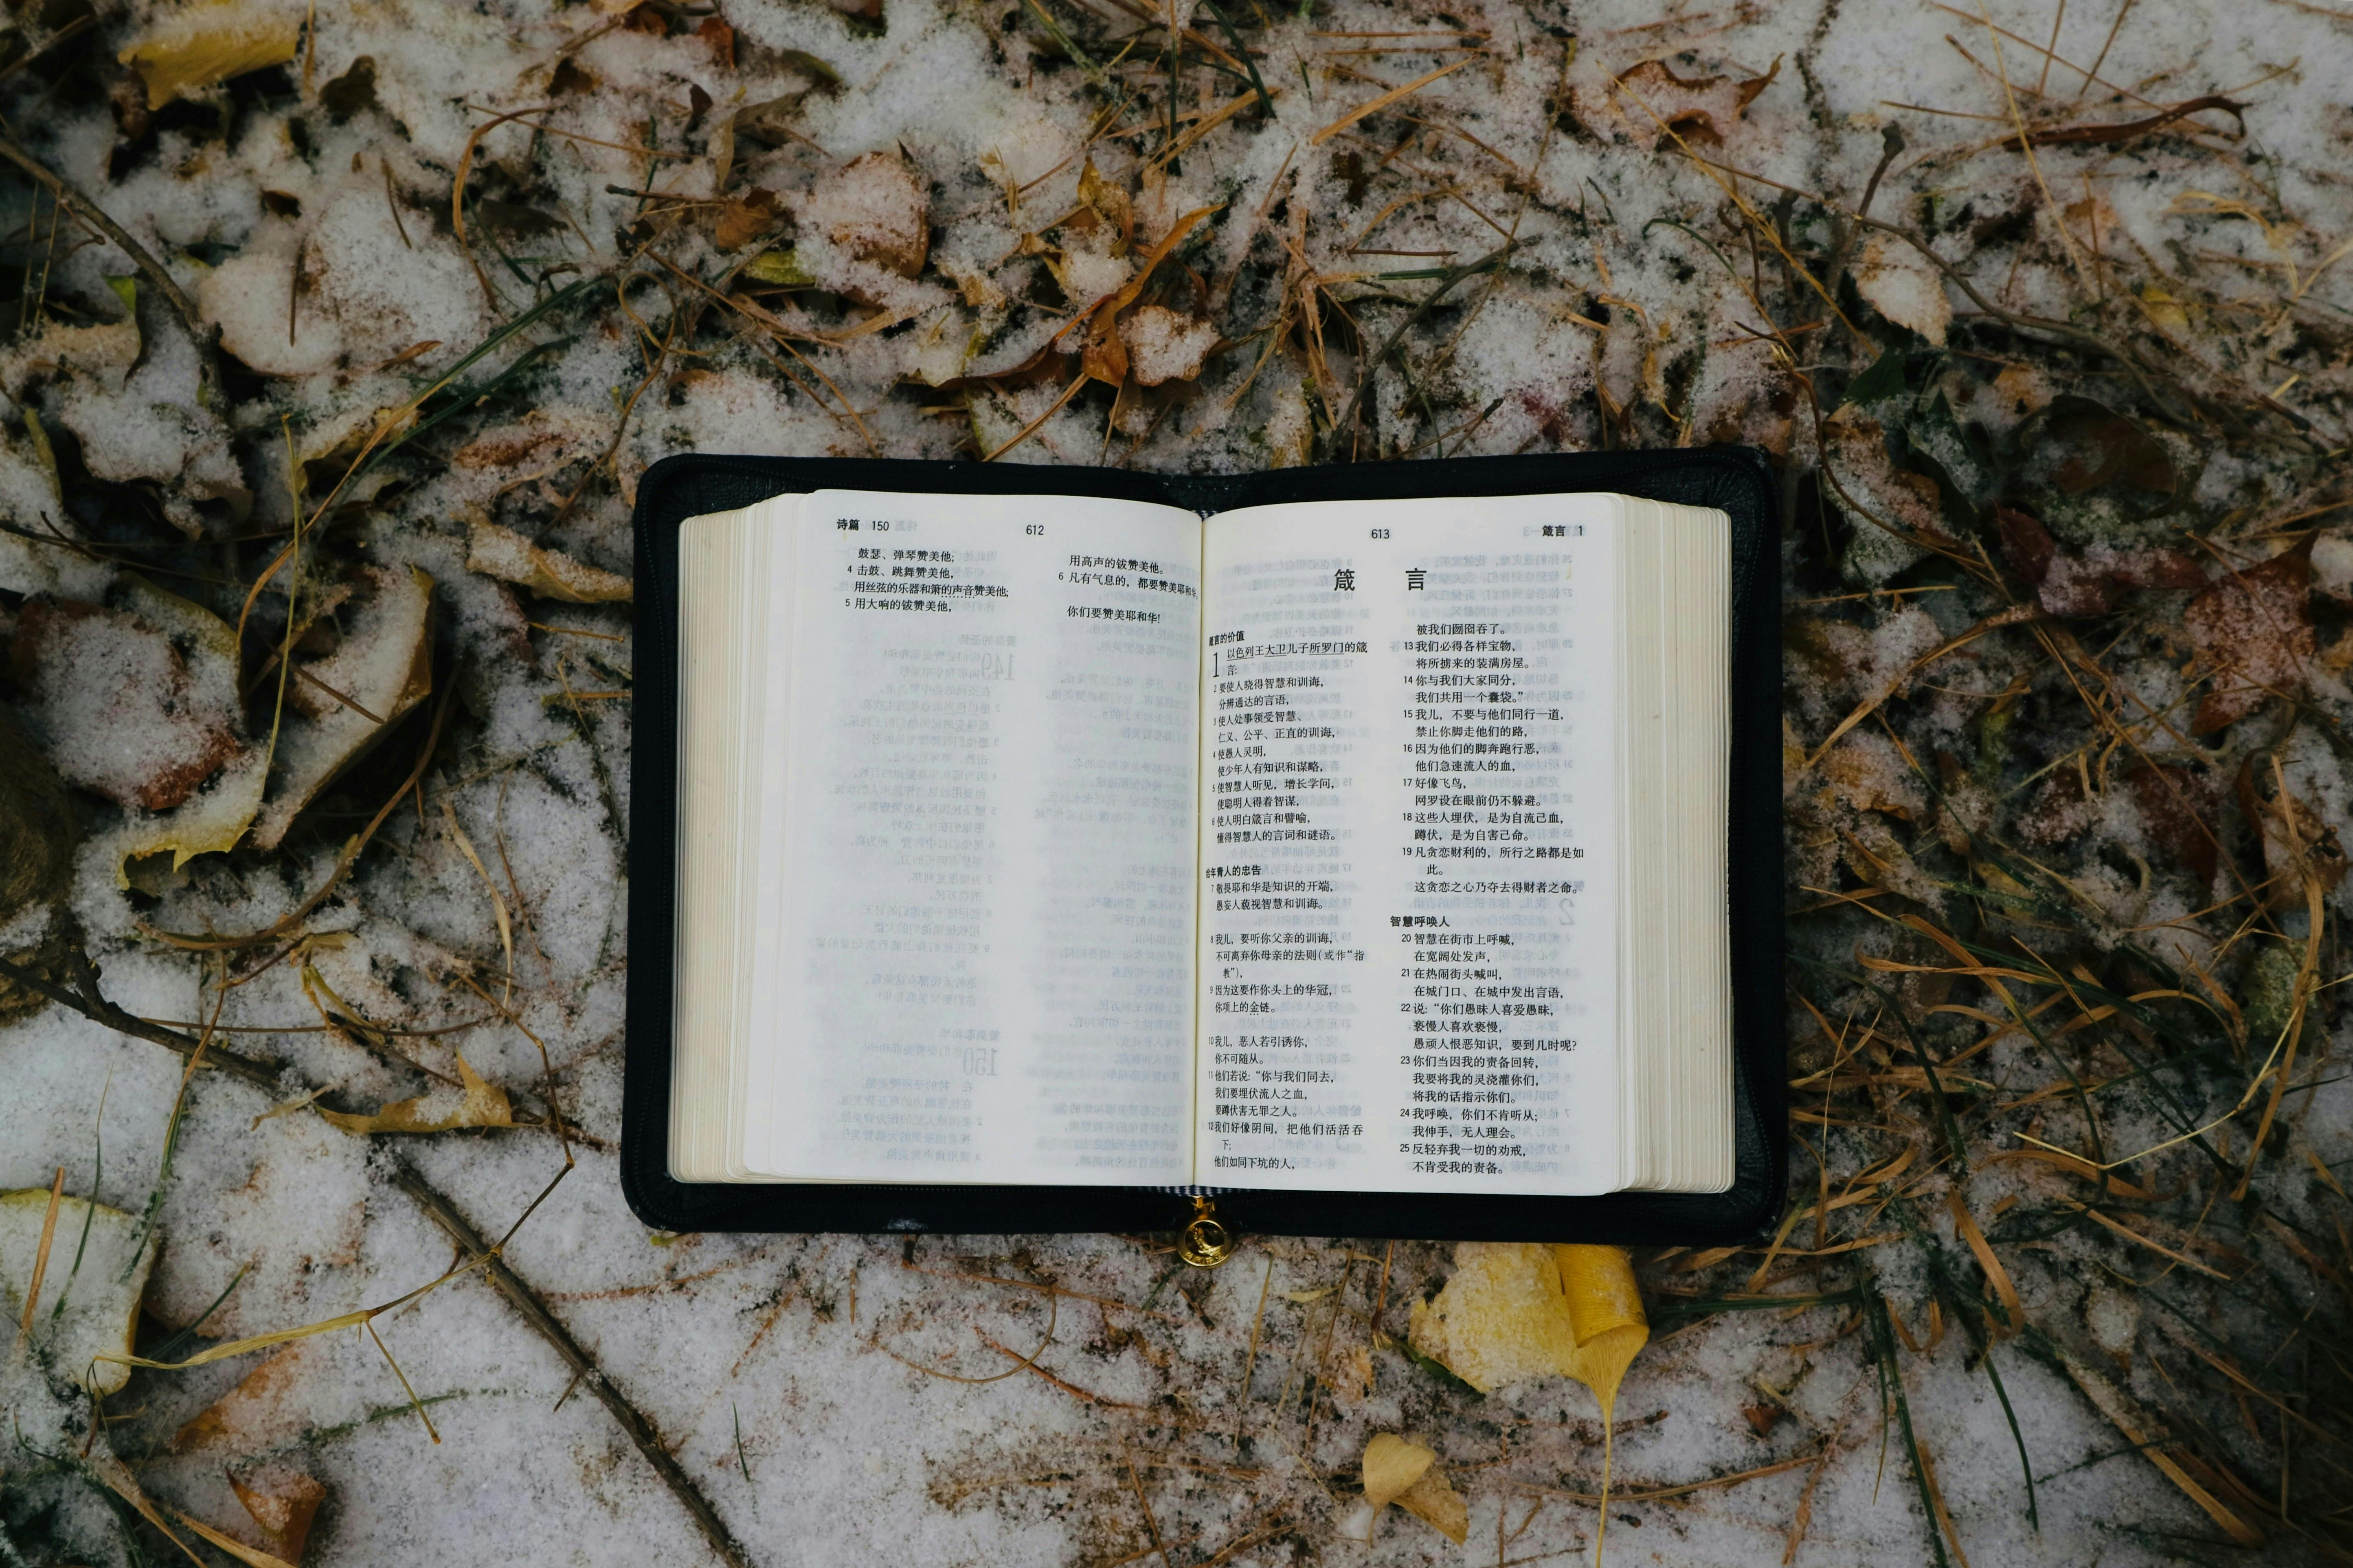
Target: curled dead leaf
504, 553
1699, 109
476, 1103
342, 705
1407, 1474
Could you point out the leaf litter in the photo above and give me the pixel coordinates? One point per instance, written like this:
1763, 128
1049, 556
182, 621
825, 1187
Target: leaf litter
2039, 311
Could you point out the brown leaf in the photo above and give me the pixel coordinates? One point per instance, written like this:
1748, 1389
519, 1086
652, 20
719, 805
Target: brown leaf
2253, 630
747, 218
1109, 202
876, 207
258, 1413
1763, 1418
2059, 811
571, 78
351, 92
1105, 357
722, 39
2099, 446
2177, 806
2026, 545
119, 706
515, 222
350, 700
1697, 109
1909, 501
283, 1507
2072, 583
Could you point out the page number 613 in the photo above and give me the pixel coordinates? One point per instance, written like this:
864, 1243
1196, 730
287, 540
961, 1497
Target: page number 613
1380, 533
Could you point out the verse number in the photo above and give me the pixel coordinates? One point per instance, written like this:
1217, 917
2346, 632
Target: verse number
1036, 530
980, 1061
1380, 533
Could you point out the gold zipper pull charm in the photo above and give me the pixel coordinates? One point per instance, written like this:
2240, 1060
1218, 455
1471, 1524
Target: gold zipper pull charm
1206, 1243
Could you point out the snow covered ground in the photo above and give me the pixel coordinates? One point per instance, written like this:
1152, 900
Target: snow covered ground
894, 227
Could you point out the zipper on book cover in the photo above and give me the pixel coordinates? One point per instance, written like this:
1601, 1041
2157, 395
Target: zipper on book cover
1205, 1242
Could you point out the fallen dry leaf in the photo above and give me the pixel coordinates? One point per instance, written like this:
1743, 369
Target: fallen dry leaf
121, 709
2253, 630
197, 46
875, 208
1407, 1474
746, 218
1699, 109
1515, 1310
258, 1413
504, 553
1903, 286
97, 1266
283, 1507
1164, 344
342, 705
476, 1103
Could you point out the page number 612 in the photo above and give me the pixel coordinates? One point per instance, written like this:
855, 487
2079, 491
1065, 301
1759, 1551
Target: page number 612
1036, 530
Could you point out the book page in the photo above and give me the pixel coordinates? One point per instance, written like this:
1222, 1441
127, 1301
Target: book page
1408, 966
982, 967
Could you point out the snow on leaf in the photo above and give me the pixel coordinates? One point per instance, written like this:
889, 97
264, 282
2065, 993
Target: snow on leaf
1904, 287
340, 705
1164, 344
2253, 630
476, 1103
504, 553
96, 1273
1515, 1310
282, 1507
875, 208
260, 1413
133, 703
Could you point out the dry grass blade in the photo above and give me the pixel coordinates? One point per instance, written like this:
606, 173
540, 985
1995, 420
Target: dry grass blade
1376, 104
41, 1255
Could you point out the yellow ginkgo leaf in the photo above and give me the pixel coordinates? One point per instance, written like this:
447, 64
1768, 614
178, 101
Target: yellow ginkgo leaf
1408, 1474
1391, 1465
1515, 1310
197, 46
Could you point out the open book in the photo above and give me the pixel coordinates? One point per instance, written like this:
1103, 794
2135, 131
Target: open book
1053, 839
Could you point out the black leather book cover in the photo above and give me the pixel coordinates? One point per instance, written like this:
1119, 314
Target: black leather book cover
1735, 481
